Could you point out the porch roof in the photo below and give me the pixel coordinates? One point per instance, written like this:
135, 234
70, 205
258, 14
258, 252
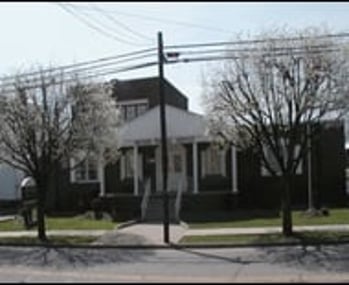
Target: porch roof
181, 125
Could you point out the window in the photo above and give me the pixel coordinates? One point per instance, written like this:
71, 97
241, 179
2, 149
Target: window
213, 162
132, 109
86, 171
274, 164
130, 112
141, 108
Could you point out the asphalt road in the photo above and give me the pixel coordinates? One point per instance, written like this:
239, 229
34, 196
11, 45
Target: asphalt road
264, 264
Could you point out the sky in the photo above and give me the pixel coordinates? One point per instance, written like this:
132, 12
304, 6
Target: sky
44, 34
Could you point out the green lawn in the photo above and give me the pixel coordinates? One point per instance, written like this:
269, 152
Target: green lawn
300, 237
80, 222
263, 218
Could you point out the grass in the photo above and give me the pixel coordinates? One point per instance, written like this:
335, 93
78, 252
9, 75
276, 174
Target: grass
61, 240
80, 222
299, 237
263, 219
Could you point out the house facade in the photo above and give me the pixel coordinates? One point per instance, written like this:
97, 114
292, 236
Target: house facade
201, 176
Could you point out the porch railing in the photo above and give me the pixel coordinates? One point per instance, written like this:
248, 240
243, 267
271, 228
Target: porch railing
178, 202
145, 199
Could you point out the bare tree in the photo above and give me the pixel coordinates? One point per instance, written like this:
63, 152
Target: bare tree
49, 119
271, 98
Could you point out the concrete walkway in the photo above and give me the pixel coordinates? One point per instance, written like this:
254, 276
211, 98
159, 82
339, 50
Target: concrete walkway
142, 234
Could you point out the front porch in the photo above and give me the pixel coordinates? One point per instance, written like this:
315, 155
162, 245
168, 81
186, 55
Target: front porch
195, 166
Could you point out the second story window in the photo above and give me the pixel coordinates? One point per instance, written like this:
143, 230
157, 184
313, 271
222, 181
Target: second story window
132, 109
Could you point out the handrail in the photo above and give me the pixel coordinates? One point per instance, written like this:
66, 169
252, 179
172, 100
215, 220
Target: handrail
145, 199
178, 202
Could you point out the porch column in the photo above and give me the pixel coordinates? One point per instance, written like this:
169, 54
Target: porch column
234, 174
101, 176
195, 167
135, 170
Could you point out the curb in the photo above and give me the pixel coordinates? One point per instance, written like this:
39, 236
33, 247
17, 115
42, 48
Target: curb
173, 246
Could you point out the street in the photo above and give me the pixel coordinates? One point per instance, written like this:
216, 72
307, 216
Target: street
264, 264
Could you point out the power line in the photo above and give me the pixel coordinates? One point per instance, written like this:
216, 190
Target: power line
242, 42
162, 20
227, 50
97, 20
79, 70
122, 25
95, 69
137, 55
100, 63
94, 27
94, 73
223, 57
139, 52
70, 66
87, 76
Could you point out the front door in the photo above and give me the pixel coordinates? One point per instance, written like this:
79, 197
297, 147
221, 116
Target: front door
176, 167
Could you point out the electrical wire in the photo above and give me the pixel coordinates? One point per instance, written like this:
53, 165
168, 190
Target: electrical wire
70, 66
242, 42
95, 65
154, 49
223, 57
228, 50
77, 70
86, 76
94, 27
163, 20
133, 32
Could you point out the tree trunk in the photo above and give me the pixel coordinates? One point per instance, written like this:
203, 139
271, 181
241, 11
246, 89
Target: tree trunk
41, 188
286, 207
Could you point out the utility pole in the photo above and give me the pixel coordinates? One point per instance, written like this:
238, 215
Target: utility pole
163, 139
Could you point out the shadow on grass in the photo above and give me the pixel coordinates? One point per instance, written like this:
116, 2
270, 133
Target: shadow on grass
69, 257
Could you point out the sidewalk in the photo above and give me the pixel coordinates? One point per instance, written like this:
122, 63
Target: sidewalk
33, 233
153, 234
262, 230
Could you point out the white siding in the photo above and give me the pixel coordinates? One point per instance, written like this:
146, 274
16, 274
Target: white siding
179, 124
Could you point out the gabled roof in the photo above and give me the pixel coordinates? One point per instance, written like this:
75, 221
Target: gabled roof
180, 125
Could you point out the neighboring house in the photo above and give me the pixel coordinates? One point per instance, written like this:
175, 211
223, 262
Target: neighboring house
208, 177
10, 191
